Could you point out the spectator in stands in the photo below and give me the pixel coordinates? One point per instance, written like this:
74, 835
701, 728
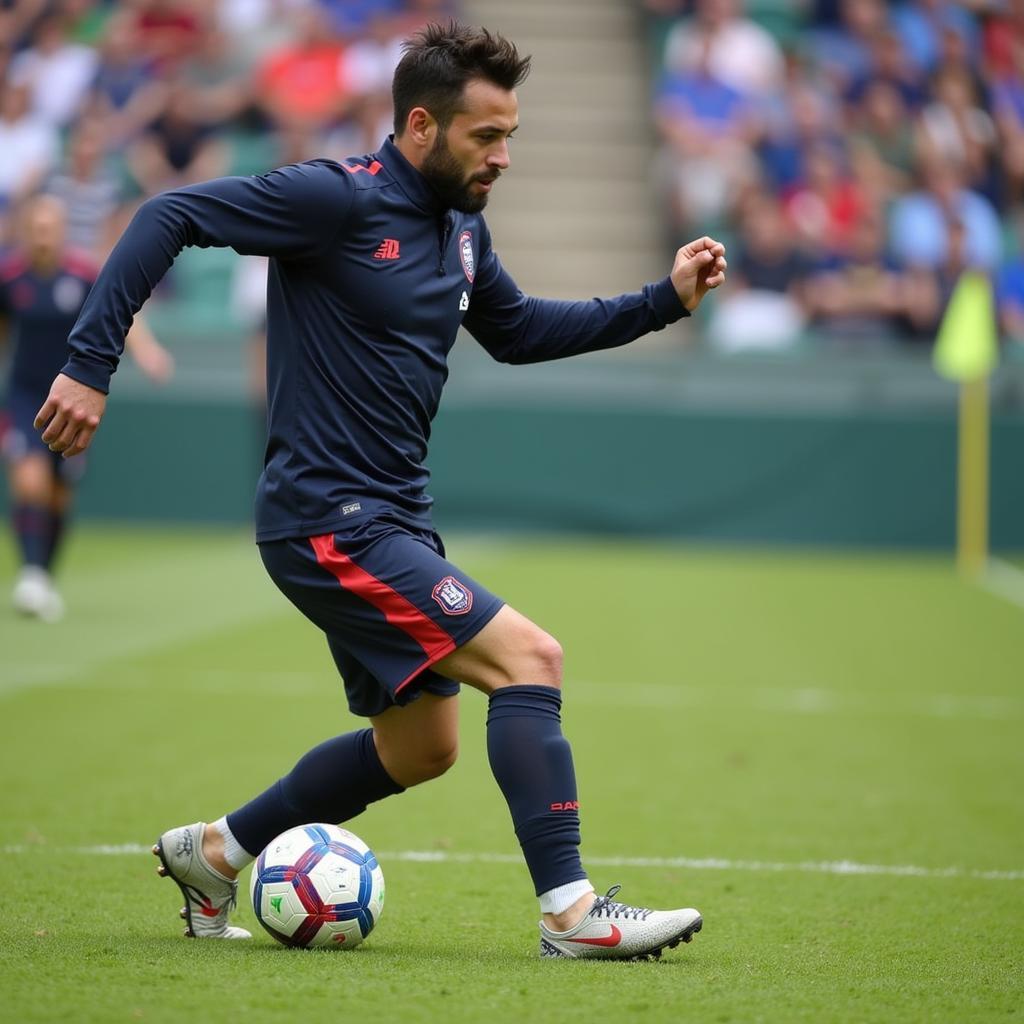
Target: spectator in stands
957, 129
178, 148
882, 150
368, 67
887, 62
735, 50
1008, 113
304, 82
959, 54
842, 52
825, 206
256, 27
922, 23
353, 19
920, 221
168, 31
1003, 36
705, 124
219, 79
56, 72
763, 309
30, 148
858, 296
125, 92
791, 123
89, 190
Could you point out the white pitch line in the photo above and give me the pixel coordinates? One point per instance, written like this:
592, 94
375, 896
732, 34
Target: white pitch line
824, 867
803, 701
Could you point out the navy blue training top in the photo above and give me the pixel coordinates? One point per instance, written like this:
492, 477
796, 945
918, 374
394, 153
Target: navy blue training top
370, 280
42, 309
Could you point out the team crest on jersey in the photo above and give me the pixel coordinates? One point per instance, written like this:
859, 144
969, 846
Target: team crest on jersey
466, 252
68, 294
452, 596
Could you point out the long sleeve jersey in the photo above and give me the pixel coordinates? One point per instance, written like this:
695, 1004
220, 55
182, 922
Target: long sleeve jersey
370, 280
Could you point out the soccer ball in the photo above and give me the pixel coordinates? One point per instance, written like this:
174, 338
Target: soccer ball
317, 885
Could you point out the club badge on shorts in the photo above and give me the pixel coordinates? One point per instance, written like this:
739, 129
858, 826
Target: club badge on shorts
452, 596
466, 252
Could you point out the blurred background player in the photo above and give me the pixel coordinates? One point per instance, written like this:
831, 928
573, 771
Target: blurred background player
43, 285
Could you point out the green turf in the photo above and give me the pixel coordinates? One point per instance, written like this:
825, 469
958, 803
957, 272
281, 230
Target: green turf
785, 709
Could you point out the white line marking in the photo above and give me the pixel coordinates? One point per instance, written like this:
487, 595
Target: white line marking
1004, 580
323, 684
799, 701
142, 613
824, 867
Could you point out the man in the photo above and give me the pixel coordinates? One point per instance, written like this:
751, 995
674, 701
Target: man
43, 286
375, 264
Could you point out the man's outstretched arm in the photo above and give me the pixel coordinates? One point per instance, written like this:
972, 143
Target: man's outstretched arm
517, 328
289, 213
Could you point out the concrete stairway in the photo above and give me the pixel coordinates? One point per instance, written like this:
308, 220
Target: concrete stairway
576, 215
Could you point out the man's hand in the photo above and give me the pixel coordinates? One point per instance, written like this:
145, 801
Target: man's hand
699, 266
70, 415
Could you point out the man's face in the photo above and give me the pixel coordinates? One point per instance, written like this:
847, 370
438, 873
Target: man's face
466, 159
44, 229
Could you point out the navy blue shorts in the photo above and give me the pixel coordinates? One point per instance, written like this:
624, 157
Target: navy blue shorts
390, 603
18, 437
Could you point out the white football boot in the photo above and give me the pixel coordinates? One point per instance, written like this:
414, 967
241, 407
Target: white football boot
209, 896
34, 594
616, 931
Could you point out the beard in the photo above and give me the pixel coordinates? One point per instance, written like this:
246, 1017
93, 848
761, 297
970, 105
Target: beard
447, 178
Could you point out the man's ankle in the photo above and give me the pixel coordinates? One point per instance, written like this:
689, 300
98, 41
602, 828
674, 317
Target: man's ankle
213, 852
572, 916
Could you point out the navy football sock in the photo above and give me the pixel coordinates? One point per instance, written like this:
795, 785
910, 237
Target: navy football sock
532, 763
54, 535
32, 528
332, 783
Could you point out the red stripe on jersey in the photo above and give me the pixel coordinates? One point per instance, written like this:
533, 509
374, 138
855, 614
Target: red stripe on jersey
398, 611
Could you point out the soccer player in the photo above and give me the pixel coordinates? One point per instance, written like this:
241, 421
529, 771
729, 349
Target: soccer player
375, 264
43, 286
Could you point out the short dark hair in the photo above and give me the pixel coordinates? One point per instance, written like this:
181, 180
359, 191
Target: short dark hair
440, 60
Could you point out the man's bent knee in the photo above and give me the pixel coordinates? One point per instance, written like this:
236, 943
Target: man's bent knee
434, 764
411, 767
547, 652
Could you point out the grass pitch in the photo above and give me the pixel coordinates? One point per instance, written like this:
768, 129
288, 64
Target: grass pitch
823, 753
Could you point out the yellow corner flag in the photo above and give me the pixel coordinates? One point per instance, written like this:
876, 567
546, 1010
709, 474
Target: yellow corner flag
967, 347
967, 350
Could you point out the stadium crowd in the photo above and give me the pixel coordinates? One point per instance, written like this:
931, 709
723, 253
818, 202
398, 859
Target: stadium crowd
103, 103
857, 154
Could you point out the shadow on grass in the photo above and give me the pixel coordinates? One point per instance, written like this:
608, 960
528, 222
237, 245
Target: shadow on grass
390, 955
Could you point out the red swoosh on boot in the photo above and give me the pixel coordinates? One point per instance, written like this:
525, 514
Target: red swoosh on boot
612, 939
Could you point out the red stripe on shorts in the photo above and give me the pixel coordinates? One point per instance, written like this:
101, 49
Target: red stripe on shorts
398, 610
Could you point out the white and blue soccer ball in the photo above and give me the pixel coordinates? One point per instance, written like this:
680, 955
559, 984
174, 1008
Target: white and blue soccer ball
317, 885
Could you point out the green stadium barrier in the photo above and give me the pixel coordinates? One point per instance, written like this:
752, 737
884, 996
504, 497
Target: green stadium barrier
848, 453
